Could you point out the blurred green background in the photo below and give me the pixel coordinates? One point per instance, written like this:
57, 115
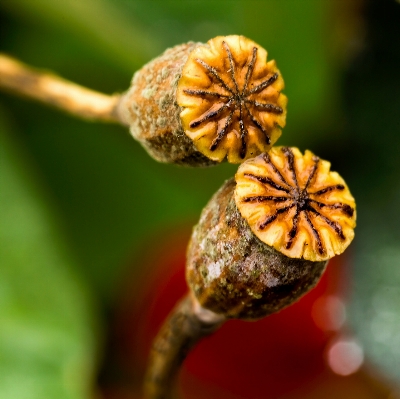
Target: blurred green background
78, 199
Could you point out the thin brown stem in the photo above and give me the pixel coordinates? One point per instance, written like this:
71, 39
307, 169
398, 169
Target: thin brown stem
52, 90
185, 326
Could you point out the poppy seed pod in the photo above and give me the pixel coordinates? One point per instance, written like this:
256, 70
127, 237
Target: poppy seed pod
200, 104
264, 240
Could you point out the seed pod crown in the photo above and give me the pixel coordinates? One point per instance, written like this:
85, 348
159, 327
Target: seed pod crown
264, 240
199, 104
231, 99
294, 203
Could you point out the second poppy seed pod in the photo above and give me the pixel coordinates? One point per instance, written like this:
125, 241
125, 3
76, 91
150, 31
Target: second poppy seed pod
264, 239
199, 104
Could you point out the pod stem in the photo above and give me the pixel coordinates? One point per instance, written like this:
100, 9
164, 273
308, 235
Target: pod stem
55, 91
185, 326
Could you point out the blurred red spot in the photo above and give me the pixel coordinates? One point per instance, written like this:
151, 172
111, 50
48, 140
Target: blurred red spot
270, 357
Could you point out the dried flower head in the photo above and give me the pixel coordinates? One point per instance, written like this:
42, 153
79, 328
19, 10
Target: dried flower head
294, 203
198, 104
231, 99
233, 273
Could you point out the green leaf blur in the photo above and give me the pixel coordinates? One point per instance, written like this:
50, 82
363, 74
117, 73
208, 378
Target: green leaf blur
46, 328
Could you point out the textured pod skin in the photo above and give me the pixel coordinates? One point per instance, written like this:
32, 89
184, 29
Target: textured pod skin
149, 107
231, 272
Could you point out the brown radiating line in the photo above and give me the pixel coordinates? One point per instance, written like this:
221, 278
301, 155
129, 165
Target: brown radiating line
243, 134
263, 85
221, 133
214, 73
347, 209
271, 218
313, 171
334, 225
290, 158
321, 249
258, 124
325, 190
250, 69
231, 63
267, 107
210, 115
267, 180
204, 93
268, 160
262, 198
293, 231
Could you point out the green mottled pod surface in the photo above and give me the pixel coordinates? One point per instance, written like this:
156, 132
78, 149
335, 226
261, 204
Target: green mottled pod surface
231, 272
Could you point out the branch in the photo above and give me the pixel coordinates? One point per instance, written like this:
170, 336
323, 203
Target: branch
52, 90
184, 327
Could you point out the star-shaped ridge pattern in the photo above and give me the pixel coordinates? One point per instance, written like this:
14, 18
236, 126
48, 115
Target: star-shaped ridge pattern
231, 100
299, 207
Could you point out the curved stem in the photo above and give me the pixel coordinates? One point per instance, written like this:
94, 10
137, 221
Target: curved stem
52, 90
185, 326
